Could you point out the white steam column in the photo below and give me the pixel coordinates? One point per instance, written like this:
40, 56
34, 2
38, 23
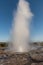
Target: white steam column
20, 28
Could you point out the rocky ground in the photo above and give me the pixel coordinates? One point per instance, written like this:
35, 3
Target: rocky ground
34, 57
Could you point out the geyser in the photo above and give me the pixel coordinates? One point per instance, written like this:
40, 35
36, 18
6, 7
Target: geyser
20, 28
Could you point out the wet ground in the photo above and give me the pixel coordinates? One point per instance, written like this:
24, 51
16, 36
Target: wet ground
34, 57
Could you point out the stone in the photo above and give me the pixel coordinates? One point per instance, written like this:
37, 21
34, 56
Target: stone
40, 63
34, 64
36, 55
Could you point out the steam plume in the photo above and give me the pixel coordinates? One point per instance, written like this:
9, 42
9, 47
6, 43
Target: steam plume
20, 31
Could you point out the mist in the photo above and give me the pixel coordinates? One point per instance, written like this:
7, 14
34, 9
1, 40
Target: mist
20, 35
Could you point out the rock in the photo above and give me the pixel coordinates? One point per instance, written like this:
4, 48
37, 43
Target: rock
41, 63
34, 64
36, 55
14, 59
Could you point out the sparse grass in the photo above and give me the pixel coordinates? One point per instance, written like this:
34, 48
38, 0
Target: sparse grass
3, 44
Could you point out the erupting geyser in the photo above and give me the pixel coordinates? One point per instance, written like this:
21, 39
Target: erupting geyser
20, 29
